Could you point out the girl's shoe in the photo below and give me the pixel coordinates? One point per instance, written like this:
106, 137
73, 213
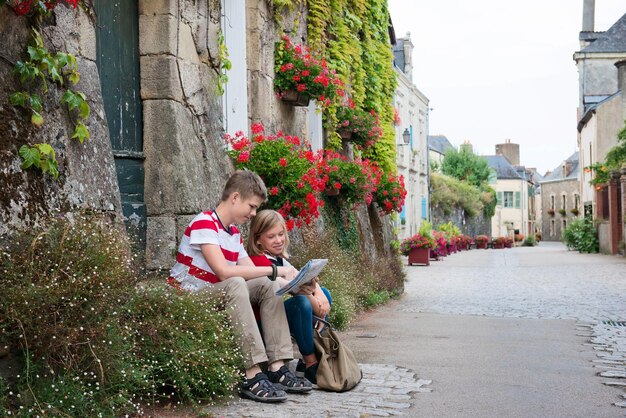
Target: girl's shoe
284, 379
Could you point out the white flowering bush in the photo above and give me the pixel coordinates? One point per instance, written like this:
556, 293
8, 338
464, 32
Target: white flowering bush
85, 340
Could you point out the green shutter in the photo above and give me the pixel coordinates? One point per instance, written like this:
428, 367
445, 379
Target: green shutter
499, 197
517, 199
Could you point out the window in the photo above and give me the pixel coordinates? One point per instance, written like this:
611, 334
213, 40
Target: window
552, 202
508, 200
552, 226
563, 202
576, 201
563, 226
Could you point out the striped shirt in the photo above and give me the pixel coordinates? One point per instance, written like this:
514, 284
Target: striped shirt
191, 271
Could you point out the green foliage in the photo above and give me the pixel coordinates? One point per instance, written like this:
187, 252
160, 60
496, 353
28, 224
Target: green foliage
224, 63
40, 156
448, 193
351, 281
352, 35
34, 74
581, 235
613, 161
374, 298
88, 341
466, 166
529, 241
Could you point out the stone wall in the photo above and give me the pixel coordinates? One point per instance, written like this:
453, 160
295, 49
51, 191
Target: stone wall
87, 177
472, 226
185, 166
185, 163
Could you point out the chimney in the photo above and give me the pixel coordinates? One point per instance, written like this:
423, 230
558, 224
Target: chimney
589, 9
467, 147
408, 56
621, 75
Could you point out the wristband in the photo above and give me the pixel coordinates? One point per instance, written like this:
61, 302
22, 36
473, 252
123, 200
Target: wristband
274, 273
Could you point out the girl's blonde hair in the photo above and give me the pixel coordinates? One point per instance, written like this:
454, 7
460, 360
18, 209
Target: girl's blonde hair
263, 221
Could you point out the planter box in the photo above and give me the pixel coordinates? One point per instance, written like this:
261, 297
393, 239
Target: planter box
419, 256
481, 245
294, 98
498, 245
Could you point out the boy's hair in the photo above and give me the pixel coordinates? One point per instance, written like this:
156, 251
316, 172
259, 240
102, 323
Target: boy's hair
247, 184
263, 221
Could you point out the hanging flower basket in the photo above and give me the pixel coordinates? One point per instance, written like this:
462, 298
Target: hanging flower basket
331, 191
294, 98
345, 134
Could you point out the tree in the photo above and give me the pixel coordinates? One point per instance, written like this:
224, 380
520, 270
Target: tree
466, 166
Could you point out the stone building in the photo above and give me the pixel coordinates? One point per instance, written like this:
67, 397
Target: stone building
412, 157
512, 192
560, 198
601, 64
150, 70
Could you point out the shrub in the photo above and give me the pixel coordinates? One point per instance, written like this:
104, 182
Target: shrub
529, 241
88, 342
581, 235
448, 193
353, 283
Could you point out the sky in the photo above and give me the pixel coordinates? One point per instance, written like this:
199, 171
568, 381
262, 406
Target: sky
495, 70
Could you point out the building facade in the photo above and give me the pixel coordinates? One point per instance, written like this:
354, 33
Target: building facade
560, 198
411, 126
601, 64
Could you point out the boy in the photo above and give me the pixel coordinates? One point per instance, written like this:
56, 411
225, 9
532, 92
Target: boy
211, 258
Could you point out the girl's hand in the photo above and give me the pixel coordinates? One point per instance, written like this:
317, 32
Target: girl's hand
307, 289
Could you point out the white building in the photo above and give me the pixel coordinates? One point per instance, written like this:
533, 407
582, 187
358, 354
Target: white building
411, 141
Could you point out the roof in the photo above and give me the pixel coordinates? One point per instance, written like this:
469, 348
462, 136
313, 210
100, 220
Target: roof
503, 168
613, 40
558, 174
439, 143
398, 53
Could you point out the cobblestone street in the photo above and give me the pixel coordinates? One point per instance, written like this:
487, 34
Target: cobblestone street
516, 332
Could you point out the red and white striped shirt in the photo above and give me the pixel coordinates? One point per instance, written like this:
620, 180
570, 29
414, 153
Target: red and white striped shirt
191, 271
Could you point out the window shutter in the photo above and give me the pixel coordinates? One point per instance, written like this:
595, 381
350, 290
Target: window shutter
517, 199
499, 197
424, 207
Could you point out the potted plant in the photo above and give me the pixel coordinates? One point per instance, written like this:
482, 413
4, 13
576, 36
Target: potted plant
299, 77
390, 192
551, 211
508, 242
288, 170
417, 248
440, 248
481, 241
562, 212
575, 211
358, 126
351, 181
498, 243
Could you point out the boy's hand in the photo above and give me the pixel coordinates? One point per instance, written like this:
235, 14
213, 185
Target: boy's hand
287, 272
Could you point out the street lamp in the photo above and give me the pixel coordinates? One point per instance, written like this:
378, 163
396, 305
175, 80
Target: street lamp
406, 136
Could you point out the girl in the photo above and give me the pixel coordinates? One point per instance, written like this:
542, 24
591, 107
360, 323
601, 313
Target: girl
267, 243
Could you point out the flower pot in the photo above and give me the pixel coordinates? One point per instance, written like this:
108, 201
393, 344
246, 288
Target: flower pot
433, 254
481, 245
498, 245
345, 134
331, 191
294, 98
419, 256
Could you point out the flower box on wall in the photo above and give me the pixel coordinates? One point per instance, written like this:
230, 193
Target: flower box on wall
294, 98
420, 256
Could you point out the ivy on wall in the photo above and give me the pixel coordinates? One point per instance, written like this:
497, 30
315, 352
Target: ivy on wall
35, 73
353, 36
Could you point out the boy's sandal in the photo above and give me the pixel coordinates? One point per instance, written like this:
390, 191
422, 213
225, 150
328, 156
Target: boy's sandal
260, 389
285, 379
